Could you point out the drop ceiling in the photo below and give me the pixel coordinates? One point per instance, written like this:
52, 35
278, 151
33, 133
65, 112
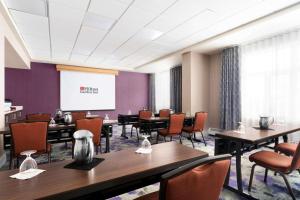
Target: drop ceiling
125, 34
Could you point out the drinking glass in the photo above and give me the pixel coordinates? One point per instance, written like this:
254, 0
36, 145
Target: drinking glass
106, 117
146, 143
88, 113
29, 162
241, 127
52, 121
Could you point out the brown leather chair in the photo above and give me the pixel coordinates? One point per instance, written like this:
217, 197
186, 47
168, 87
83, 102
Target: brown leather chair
78, 115
93, 125
288, 149
164, 113
175, 127
201, 179
38, 117
29, 136
143, 114
198, 126
278, 163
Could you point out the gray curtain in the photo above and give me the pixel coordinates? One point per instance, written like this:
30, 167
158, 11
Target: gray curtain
230, 89
176, 88
152, 92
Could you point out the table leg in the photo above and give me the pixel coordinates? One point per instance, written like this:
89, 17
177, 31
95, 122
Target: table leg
238, 166
124, 131
107, 147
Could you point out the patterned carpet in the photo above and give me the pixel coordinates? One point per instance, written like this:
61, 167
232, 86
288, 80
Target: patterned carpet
274, 188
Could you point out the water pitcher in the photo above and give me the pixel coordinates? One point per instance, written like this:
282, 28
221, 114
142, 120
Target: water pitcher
84, 147
265, 122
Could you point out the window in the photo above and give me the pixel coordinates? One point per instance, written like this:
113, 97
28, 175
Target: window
270, 78
162, 90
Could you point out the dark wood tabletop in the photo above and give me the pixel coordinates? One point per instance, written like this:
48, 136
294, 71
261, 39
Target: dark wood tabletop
255, 136
58, 127
159, 119
118, 168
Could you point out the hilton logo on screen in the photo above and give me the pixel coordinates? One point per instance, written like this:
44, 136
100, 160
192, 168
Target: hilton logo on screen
88, 90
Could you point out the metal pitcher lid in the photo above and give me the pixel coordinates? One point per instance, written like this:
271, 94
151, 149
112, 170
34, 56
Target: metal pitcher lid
80, 134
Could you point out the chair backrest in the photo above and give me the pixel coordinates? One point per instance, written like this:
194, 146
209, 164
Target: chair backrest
296, 159
38, 117
93, 125
29, 136
200, 118
176, 123
78, 115
164, 113
145, 114
201, 179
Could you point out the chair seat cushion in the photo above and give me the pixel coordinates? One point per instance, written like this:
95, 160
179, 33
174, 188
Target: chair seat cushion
286, 148
150, 196
188, 129
163, 132
272, 160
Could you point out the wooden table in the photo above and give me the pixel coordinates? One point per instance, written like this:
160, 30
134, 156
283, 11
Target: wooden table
120, 172
71, 128
253, 138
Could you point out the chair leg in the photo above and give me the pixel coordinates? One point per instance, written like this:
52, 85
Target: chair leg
288, 185
165, 139
203, 138
192, 142
171, 138
97, 149
137, 135
10, 160
18, 161
180, 139
100, 147
251, 178
157, 137
298, 170
131, 131
266, 175
66, 144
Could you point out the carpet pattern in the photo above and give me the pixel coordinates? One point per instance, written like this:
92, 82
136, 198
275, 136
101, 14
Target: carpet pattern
274, 188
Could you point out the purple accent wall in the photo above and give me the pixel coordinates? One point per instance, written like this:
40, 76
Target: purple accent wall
37, 90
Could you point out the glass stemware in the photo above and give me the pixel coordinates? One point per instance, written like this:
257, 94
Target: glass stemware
29, 162
241, 127
146, 143
52, 121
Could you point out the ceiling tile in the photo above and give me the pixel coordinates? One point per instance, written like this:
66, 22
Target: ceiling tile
112, 8
97, 21
76, 4
78, 58
87, 40
35, 7
123, 30
155, 6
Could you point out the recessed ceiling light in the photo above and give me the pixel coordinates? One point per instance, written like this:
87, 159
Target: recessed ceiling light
35, 7
97, 21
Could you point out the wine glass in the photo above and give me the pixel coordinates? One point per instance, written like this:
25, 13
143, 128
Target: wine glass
146, 143
52, 121
29, 162
241, 128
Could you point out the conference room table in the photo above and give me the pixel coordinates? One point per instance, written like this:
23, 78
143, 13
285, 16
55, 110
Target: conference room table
120, 172
63, 129
237, 143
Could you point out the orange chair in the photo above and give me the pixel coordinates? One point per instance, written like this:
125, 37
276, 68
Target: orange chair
78, 115
276, 162
29, 136
93, 125
38, 117
288, 149
200, 119
143, 114
175, 127
164, 113
201, 179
